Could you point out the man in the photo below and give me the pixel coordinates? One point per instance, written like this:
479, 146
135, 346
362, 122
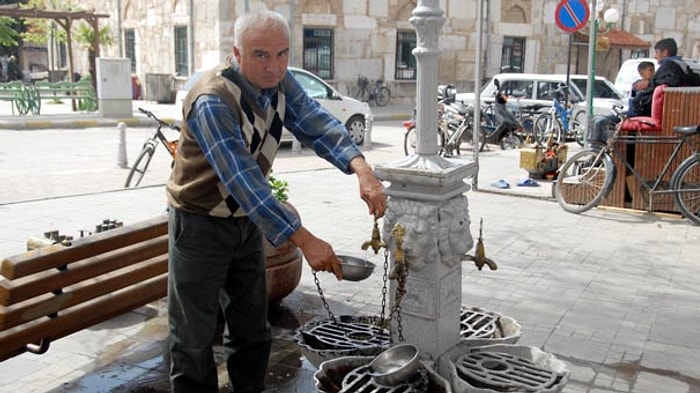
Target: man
221, 204
669, 73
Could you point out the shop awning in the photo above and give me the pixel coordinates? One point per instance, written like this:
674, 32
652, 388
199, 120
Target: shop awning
616, 39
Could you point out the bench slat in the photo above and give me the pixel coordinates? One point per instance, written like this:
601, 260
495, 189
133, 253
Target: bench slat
47, 305
13, 342
18, 290
51, 257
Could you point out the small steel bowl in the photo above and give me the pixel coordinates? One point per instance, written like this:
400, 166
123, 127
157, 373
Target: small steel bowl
396, 365
355, 269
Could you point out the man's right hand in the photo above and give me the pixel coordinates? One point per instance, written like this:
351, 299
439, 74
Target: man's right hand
318, 253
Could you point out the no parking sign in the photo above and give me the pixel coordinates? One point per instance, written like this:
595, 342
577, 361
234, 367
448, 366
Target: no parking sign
572, 15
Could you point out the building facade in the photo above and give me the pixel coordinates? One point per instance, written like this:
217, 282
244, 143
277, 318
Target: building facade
340, 39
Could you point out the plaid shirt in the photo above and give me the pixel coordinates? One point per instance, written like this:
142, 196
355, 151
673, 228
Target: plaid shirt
218, 133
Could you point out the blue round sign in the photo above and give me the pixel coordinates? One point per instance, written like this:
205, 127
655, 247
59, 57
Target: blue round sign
572, 15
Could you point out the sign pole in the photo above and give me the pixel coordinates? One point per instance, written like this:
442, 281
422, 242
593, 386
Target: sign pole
591, 77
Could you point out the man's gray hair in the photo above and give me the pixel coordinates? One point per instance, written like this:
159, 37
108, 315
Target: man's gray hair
263, 20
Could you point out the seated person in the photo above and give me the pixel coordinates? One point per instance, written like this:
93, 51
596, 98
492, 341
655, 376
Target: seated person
646, 73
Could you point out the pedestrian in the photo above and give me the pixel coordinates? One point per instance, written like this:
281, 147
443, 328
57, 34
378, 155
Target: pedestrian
221, 204
646, 73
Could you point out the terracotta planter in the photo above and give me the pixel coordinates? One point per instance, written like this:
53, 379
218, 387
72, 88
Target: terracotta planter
282, 268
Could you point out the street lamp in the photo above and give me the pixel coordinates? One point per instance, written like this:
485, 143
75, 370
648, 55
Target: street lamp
610, 17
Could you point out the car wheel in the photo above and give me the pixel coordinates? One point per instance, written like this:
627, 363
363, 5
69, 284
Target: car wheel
356, 129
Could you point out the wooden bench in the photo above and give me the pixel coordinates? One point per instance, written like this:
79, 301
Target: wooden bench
54, 291
681, 106
19, 95
81, 91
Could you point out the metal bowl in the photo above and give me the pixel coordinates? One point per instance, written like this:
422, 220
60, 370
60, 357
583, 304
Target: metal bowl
396, 365
355, 269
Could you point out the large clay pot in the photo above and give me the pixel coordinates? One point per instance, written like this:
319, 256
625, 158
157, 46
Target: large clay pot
282, 268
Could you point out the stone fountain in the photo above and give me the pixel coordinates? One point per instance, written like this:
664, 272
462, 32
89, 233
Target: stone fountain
427, 232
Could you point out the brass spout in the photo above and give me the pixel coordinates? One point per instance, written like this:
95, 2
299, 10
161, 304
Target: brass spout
479, 257
376, 241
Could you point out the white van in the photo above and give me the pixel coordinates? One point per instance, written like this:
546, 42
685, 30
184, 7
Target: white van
530, 89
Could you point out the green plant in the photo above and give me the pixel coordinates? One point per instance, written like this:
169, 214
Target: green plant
279, 189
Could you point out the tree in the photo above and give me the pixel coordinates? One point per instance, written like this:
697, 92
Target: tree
8, 33
84, 34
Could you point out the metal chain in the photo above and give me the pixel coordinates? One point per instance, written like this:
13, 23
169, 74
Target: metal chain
323, 298
381, 322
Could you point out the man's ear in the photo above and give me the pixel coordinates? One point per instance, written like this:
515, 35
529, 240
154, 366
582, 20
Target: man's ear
237, 54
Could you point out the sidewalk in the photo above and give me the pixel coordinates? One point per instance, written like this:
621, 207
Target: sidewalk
613, 294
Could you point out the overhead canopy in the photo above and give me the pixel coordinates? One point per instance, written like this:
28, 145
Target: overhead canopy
617, 39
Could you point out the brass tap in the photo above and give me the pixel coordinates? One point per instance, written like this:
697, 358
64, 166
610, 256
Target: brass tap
398, 232
376, 241
479, 257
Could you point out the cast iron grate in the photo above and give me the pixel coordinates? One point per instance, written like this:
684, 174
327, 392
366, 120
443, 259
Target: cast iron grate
504, 372
476, 323
345, 334
359, 380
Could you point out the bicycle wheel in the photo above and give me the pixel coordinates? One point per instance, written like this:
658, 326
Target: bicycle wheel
410, 141
686, 182
382, 96
140, 165
488, 125
510, 141
362, 94
584, 180
578, 127
544, 127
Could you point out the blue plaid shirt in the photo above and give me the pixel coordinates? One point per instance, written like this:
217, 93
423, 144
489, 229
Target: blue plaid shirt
218, 133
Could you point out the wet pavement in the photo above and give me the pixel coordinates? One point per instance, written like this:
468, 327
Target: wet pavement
611, 293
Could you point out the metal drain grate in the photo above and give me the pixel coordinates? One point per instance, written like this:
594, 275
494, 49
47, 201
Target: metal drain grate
504, 372
477, 323
359, 380
345, 335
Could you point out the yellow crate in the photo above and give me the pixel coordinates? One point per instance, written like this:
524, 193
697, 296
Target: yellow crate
530, 158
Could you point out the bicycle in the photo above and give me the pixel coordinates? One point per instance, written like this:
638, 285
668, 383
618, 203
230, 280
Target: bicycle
587, 177
556, 122
379, 93
138, 169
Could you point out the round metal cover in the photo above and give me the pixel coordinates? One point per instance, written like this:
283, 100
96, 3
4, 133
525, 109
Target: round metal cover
504, 372
478, 323
360, 380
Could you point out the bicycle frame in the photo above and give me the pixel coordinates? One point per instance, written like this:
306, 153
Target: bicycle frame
652, 190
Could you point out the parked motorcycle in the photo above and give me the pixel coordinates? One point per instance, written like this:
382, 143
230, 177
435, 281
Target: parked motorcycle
502, 127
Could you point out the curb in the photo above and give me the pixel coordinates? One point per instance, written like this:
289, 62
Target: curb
77, 123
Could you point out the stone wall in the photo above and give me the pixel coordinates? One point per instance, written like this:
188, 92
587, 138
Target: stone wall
365, 34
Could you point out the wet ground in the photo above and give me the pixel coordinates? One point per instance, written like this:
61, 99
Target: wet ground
142, 366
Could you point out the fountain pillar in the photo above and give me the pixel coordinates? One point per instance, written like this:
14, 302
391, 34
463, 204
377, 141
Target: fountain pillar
426, 199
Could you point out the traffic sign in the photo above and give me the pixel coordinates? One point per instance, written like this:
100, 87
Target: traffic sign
572, 15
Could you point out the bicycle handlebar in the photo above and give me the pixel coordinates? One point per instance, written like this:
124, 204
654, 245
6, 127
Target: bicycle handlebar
160, 122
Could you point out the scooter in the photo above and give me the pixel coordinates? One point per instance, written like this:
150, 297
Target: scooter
504, 126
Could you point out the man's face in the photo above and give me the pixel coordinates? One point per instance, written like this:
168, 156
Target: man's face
660, 54
263, 57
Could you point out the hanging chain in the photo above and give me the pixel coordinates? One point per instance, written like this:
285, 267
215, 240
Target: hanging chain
381, 322
323, 298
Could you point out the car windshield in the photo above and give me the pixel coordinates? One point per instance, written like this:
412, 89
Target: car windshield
601, 89
313, 86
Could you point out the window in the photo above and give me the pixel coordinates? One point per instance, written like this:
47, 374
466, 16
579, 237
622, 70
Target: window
512, 54
318, 52
517, 88
181, 54
405, 61
130, 47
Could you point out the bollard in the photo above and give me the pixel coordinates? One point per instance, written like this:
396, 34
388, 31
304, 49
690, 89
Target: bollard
367, 142
296, 145
121, 147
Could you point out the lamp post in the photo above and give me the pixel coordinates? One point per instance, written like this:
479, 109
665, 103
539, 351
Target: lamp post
610, 17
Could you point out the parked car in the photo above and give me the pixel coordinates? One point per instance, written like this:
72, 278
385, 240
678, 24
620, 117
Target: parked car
356, 115
529, 89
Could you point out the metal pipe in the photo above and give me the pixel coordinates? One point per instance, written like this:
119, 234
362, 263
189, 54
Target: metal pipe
191, 64
592, 36
477, 91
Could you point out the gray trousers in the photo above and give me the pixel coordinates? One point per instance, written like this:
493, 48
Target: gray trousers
214, 264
